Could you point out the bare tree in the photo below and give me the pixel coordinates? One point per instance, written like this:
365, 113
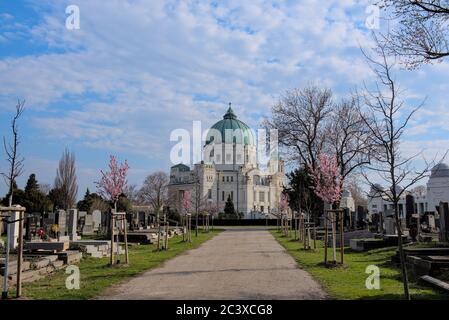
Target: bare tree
387, 116
357, 192
65, 180
12, 153
154, 190
299, 118
347, 137
45, 188
132, 193
421, 34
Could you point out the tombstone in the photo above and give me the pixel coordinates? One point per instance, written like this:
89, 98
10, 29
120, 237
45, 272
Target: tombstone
142, 219
72, 224
32, 224
62, 222
88, 225
390, 226
81, 221
431, 221
96, 220
444, 221
409, 209
14, 231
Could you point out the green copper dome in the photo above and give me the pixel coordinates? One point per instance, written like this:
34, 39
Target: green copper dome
231, 129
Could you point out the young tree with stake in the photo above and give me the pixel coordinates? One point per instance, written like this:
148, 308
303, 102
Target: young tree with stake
327, 179
15, 170
111, 186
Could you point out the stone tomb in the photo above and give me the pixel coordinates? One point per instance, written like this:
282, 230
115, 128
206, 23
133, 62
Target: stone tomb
88, 228
14, 231
444, 221
72, 224
62, 222
96, 220
390, 226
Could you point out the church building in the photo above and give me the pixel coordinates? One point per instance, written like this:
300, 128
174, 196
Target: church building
230, 169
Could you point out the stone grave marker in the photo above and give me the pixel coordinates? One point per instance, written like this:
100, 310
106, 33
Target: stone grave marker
88, 225
14, 228
62, 222
390, 226
431, 221
72, 224
444, 221
96, 220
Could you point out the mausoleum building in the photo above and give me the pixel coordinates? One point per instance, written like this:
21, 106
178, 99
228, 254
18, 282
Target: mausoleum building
230, 168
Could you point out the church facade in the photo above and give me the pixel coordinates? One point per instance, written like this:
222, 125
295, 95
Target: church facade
230, 169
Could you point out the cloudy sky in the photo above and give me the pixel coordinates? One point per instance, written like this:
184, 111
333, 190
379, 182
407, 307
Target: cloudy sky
138, 69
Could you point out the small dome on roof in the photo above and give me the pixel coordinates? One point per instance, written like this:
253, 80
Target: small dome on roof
441, 170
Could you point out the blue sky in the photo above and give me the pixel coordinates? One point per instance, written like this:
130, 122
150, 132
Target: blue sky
136, 70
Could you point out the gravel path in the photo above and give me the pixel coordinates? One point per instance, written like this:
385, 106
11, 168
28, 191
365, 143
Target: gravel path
235, 264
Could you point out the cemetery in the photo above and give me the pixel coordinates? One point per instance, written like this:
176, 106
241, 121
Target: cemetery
51, 242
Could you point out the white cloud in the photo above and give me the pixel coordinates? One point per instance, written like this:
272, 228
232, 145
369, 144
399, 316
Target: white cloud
137, 70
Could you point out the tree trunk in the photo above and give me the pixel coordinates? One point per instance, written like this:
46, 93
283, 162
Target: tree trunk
401, 253
111, 222
20, 256
326, 236
342, 236
126, 240
334, 237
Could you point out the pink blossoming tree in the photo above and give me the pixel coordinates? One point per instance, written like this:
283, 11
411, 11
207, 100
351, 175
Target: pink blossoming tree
187, 201
327, 179
283, 204
328, 186
110, 187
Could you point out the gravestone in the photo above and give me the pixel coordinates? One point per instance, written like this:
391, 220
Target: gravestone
431, 221
96, 220
81, 221
14, 231
390, 226
88, 225
72, 224
32, 224
444, 221
62, 222
409, 209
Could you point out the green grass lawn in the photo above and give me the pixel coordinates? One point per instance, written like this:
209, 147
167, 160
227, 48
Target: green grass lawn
348, 282
96, 275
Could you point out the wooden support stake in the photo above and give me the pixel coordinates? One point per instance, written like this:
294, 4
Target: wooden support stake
159, 237
126, 239
111, 258
20, 256
325, 238
342, 245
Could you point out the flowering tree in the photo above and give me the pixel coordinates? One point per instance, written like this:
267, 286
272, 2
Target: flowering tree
283, 204
113, 181
111, 187
187, 201
283, 207
327, 179
328, 183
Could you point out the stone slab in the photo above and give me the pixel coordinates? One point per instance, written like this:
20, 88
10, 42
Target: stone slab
48, 246
436, 283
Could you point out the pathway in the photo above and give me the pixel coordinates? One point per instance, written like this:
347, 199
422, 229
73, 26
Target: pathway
235, 264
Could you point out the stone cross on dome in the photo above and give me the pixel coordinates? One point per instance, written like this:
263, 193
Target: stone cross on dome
230, 113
